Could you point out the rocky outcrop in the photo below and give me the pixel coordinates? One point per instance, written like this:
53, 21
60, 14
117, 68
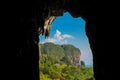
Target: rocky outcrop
67, 54
72, 53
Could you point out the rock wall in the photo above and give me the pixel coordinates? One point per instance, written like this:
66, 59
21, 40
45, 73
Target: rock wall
24, 21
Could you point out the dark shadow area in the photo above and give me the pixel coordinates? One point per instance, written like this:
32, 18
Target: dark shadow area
22, 21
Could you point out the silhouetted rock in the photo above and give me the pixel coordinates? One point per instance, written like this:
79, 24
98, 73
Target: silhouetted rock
24, 20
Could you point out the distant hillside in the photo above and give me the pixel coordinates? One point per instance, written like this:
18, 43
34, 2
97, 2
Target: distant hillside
68, 54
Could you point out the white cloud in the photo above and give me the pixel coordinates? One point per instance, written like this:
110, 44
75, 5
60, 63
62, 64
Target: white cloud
67, 36
59, 38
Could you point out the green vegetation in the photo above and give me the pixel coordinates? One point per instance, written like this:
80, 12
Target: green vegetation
70, 50
56, 65
54, 52
61, 53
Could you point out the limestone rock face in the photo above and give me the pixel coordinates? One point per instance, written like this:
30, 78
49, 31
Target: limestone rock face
66, 53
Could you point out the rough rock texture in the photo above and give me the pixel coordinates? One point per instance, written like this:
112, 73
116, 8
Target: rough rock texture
24, 20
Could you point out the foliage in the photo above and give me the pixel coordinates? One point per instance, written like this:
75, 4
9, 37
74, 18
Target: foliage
58, 53
54, 52
55, 63
70, 50
62, 71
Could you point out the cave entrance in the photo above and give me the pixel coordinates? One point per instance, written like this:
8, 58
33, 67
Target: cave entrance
66, 52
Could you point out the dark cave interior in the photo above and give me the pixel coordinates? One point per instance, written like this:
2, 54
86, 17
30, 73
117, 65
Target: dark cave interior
26, 18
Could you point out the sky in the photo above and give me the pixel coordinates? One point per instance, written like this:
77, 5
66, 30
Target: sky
68, 30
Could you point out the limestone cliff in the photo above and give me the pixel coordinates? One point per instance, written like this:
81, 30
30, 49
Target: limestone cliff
68, 54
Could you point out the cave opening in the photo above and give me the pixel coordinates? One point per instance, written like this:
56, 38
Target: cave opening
65, 30
26, 20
